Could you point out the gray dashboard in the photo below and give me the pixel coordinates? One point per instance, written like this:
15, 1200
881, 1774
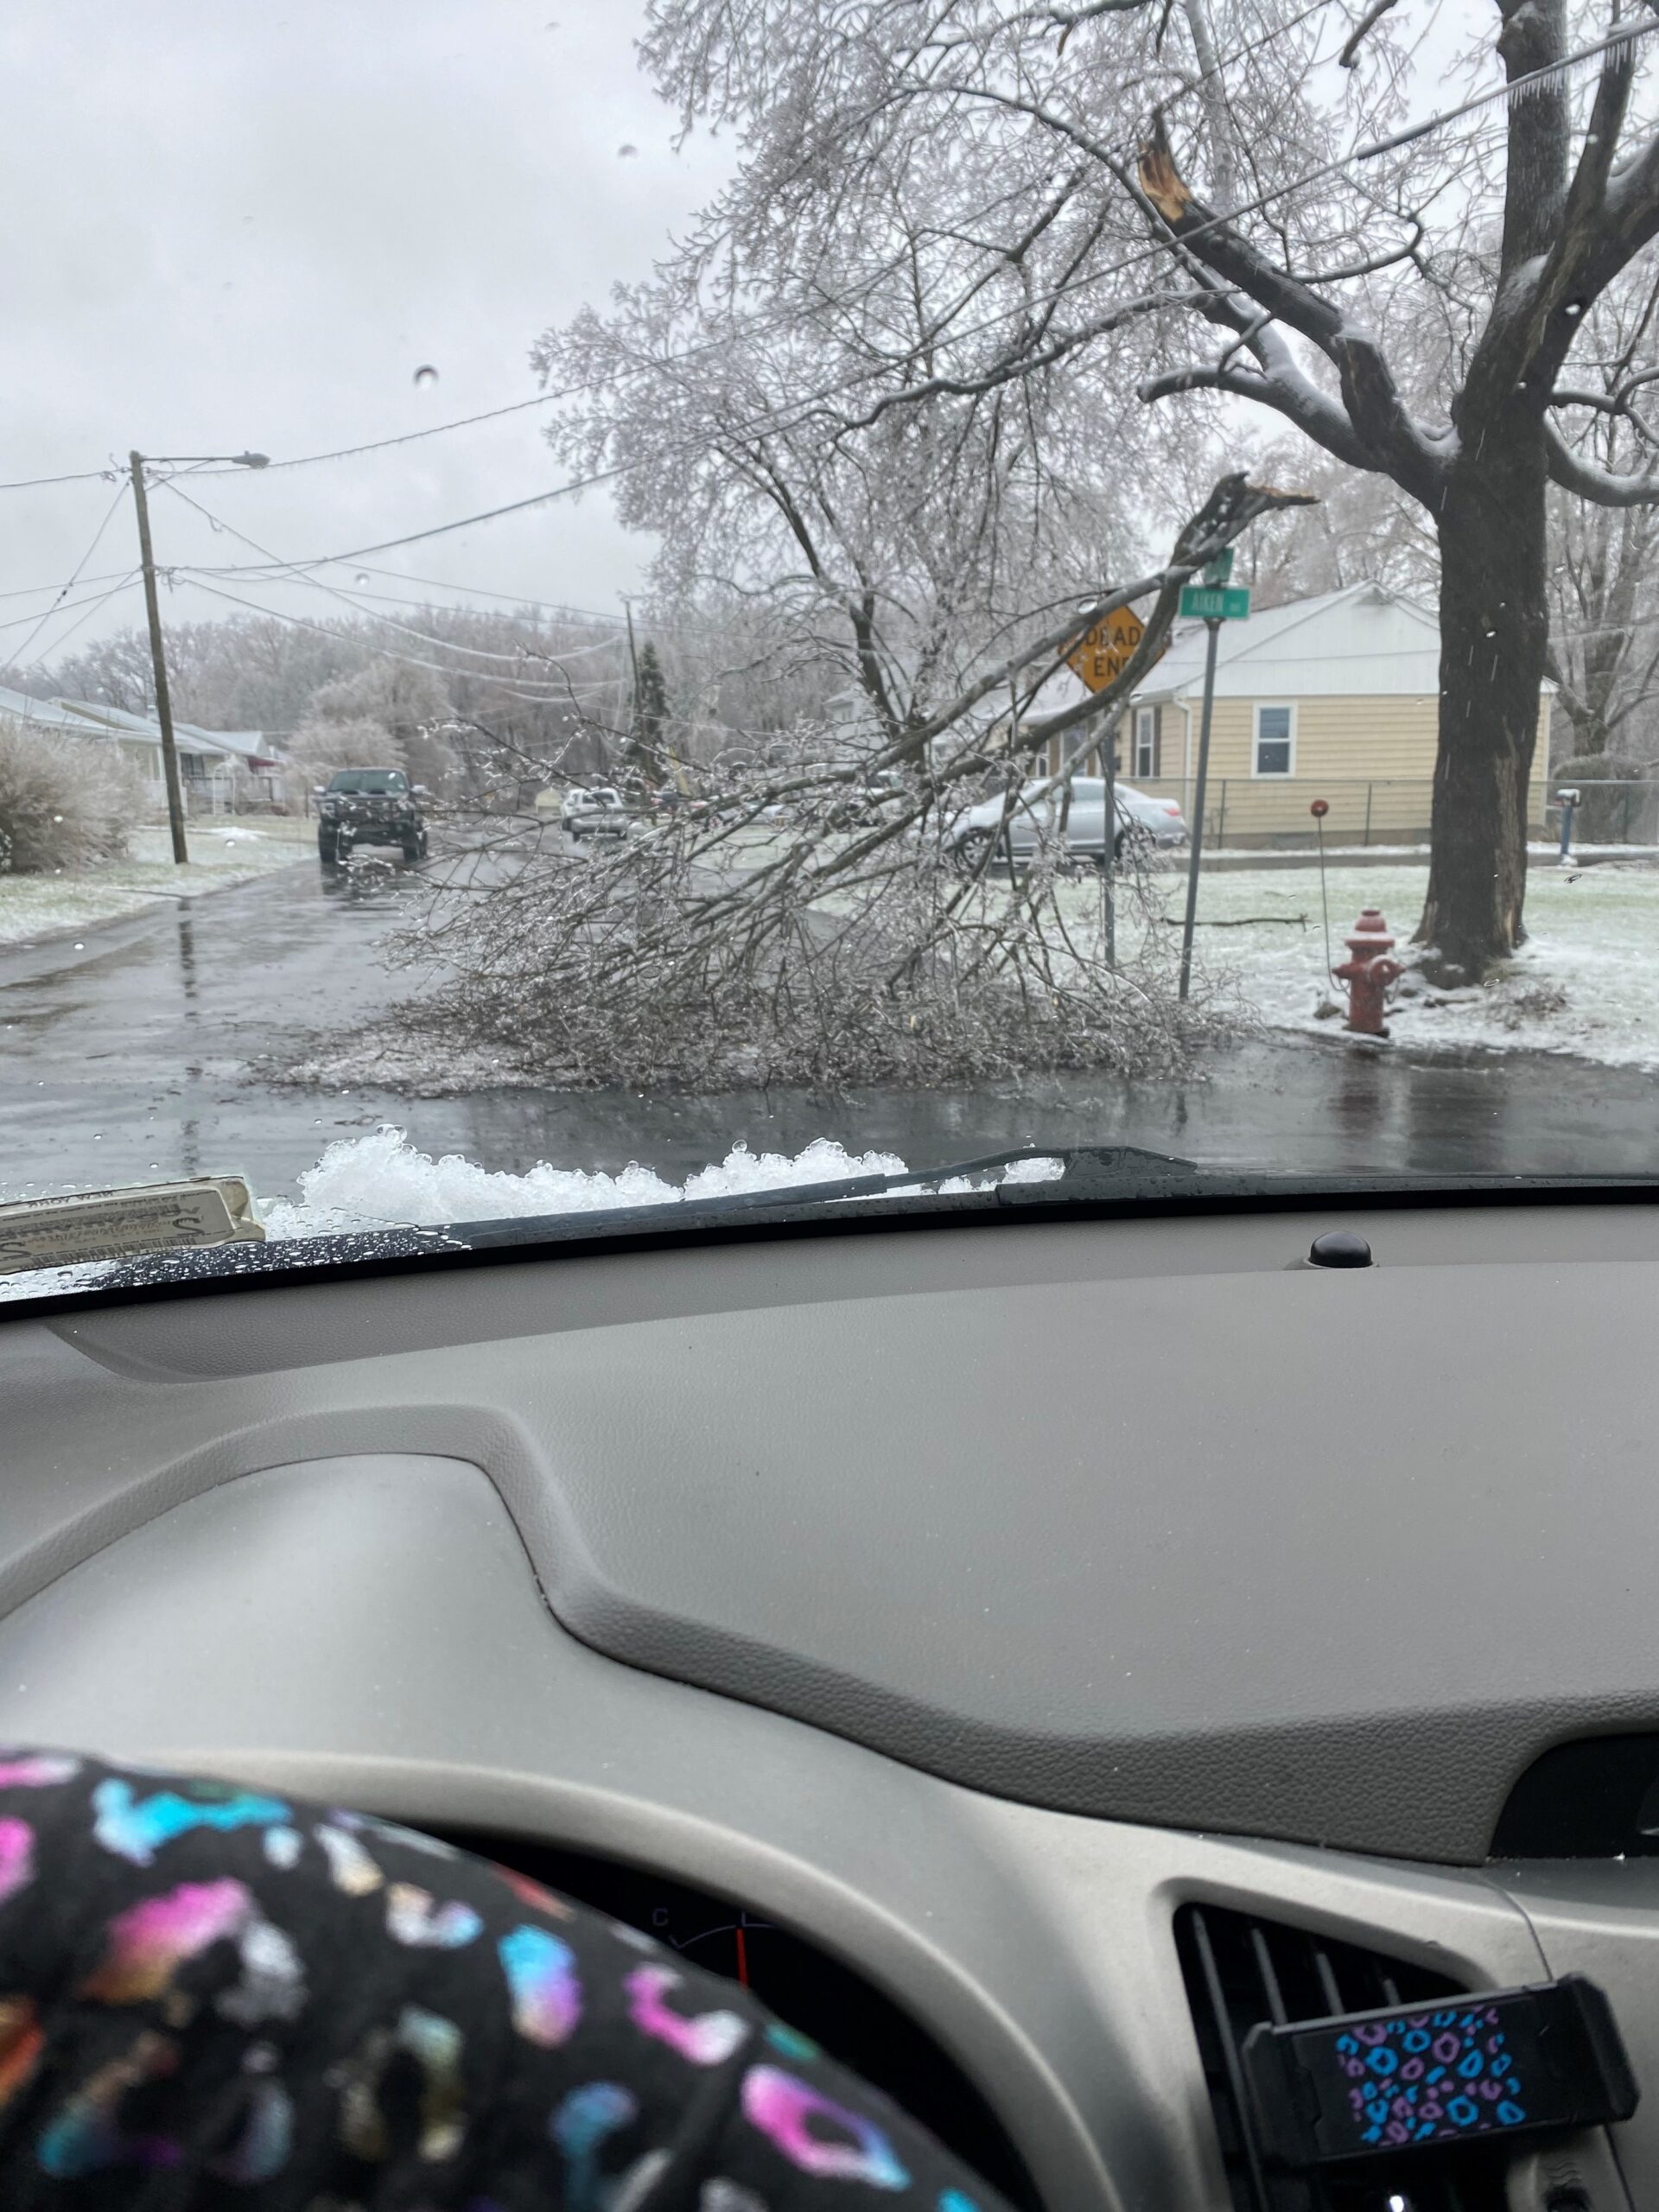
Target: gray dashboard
965, 1598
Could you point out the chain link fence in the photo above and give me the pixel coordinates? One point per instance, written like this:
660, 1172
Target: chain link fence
1270, 814
1622, 811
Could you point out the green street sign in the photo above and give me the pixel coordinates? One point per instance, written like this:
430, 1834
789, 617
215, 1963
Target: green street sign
1215, 603
1220, 570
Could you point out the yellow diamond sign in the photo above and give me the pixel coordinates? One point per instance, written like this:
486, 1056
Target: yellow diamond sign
1102, 654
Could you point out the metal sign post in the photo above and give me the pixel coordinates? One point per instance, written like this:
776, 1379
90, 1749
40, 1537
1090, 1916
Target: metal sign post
1213, 625
1214, 601
1108, 830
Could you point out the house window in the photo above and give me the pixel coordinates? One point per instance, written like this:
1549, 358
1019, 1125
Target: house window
1275, 742
1146, 741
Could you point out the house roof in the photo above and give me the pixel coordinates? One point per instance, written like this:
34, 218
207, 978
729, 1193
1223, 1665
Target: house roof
241, 744
18, 706
1364, 641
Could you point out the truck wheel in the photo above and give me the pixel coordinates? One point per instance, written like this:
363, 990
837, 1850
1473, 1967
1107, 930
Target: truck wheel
327, 849
414, 849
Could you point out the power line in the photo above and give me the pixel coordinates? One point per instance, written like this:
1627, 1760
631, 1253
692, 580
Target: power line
33, 591
81, 476
554, 695
121, 576
477, 652
519, 598
419, 536
108, 516
91, 606
356, 599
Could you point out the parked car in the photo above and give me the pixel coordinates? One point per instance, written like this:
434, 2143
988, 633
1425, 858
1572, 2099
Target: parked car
1143, 822
878, 794
593, 811
369, 806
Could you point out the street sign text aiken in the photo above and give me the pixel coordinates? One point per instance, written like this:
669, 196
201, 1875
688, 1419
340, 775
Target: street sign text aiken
1215, 603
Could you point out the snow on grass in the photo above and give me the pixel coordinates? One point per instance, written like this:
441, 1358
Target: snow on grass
36, 906
1586, 982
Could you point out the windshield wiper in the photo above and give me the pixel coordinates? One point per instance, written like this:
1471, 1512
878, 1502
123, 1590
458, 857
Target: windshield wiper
1094, 1182
1085, 1170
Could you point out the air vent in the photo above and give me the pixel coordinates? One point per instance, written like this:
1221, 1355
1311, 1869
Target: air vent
1240, 1970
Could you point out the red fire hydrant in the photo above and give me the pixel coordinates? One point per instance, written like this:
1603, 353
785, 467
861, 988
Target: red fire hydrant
1368, 972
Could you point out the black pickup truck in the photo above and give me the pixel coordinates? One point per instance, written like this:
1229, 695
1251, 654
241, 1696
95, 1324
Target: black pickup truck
369, 806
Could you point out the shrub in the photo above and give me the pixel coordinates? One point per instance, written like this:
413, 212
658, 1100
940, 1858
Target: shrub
64, 801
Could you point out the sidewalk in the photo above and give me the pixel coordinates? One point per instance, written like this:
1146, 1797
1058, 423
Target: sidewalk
227, 849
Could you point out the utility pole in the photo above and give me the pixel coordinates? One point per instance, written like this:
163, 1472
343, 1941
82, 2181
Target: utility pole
157, 651
158, 661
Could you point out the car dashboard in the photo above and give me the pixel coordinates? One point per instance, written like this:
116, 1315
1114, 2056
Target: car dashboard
1029, 1655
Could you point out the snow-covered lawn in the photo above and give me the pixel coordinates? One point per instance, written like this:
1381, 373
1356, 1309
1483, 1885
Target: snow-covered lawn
1586, 982
221, 852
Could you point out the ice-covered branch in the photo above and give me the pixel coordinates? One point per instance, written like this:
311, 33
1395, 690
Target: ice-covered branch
1605, 487
1380, 425
1298, 398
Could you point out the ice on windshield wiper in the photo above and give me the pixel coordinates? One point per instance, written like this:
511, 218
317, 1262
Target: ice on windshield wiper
1024, 1173
373, 1180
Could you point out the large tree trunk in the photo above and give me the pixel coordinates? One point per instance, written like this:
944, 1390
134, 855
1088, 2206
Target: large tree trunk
1494, 632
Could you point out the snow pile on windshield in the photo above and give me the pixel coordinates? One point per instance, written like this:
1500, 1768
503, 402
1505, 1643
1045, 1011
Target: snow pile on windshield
366, 1182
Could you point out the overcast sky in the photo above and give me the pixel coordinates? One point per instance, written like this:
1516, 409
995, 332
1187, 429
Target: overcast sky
238, 224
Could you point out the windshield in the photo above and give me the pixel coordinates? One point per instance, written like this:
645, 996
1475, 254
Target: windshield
931, 581
368, 779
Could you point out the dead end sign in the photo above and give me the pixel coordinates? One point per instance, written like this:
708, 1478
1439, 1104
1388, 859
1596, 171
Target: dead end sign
1102, 654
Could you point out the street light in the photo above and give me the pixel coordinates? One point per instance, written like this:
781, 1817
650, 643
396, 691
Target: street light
138, 462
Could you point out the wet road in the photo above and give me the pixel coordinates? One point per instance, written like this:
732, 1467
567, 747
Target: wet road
127, 1059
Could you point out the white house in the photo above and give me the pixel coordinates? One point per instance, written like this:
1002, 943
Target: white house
208, 759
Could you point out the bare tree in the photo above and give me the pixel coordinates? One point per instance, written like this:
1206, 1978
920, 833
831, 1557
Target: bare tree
323, 743
1603, 565
1321, 217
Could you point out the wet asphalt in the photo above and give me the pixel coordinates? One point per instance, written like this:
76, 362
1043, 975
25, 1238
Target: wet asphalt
128, 1059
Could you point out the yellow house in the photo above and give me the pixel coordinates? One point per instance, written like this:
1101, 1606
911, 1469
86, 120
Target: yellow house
1333, 698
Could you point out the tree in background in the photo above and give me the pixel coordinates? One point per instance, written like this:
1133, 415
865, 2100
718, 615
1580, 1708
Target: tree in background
410, 704
648, 737
1604, 564
324, 743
